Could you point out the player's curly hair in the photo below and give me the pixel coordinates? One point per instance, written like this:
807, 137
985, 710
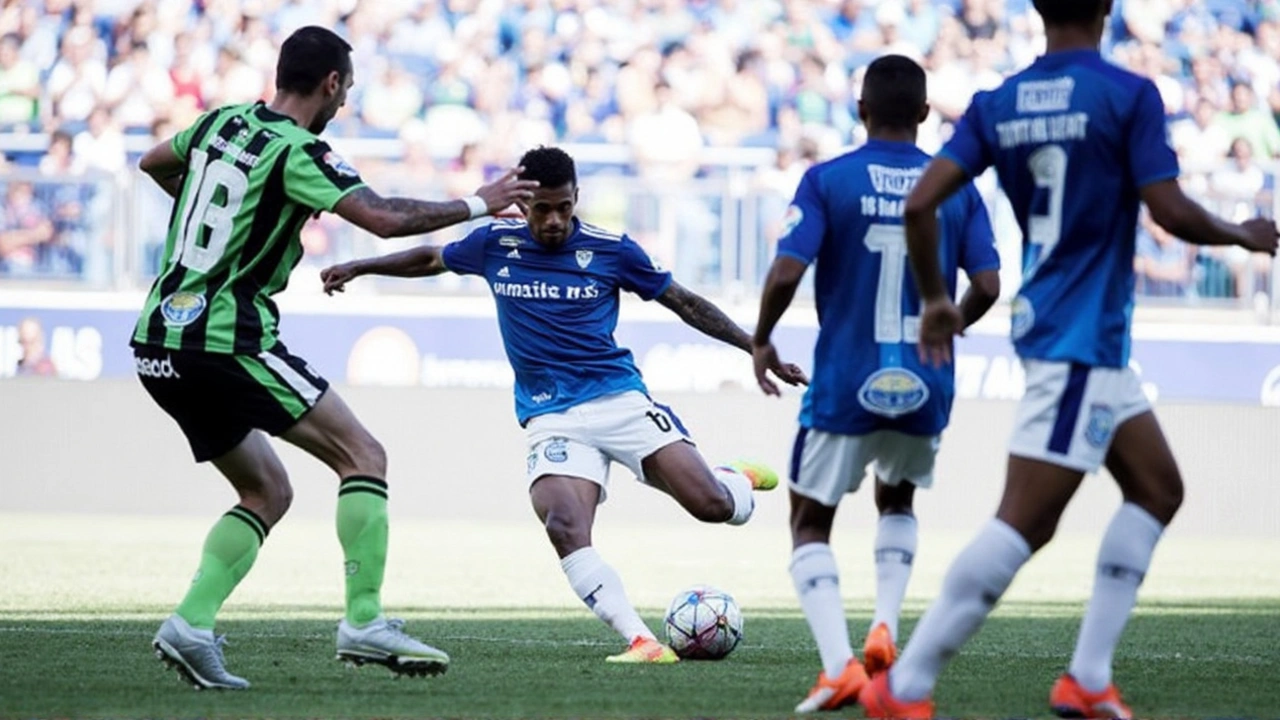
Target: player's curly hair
1070, 12
550, 166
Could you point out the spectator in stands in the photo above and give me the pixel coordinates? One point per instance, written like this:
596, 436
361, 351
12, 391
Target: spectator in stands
1246, 119
19, 86
137, 89
391, 100
34, 361
1200, 140
78, 80
68, 200
24, 226
1162, 262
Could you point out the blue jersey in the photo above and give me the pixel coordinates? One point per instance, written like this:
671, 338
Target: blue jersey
1073, 138
557, 309
847, 216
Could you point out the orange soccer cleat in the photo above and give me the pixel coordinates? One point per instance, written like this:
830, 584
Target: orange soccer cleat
879, 652
878, 702
1069, 700
828, 694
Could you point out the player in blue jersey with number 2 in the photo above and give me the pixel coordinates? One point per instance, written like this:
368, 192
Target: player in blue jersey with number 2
1078, 145
871, 399
580, 397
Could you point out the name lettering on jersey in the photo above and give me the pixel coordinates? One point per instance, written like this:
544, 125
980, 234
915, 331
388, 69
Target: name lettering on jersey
234, 153
893, 180
883, 207
510, 241
1040, 130
1041, 96
544, 291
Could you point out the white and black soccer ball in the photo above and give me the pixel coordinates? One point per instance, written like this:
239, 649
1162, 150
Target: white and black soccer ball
703, 623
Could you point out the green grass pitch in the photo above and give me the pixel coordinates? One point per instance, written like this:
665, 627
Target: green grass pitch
82, 598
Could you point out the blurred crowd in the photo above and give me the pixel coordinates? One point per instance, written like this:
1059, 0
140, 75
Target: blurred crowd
465, 85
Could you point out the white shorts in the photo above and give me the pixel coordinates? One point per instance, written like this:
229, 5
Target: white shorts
1070, 412
583, 440
826, 466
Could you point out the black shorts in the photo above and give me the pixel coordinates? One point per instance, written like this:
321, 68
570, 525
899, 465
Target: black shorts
219, 399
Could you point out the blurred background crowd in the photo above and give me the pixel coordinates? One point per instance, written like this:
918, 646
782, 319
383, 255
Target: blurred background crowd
692, 119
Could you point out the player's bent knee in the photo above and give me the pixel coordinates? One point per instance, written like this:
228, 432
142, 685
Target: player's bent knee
566, 531
1162, 497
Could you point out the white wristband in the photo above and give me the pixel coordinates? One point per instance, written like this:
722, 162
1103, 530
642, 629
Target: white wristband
476, 205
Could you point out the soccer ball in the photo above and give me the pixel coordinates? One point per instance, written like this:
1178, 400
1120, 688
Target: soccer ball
703, 623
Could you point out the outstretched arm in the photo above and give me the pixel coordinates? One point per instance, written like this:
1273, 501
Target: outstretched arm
401, 217
702, 315
1183, 217
422, 261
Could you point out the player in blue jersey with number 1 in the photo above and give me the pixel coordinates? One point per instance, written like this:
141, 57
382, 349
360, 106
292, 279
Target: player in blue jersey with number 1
1078, 144
871, 399
580, 397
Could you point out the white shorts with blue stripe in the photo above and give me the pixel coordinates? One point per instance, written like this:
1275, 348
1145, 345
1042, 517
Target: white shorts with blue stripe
1070, 412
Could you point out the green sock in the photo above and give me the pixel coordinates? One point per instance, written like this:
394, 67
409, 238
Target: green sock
362, 530
229, 551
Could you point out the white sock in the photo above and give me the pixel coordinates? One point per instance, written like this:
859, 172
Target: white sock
739, 487
1123, 560
978, 577
601, 589
817, 581
895, 551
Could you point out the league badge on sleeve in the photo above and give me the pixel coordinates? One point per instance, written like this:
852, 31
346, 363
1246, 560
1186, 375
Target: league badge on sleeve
339, 165
791, 220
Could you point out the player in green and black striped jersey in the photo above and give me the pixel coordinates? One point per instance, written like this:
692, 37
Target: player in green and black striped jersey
245, 178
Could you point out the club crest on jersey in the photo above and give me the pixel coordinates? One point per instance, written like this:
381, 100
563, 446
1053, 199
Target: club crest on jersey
340, 166
557, 451
584, 258
182, 308
893, 392
1102, 422
792, 219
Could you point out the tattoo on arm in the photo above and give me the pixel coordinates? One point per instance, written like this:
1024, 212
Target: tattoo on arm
702, 315
412, 217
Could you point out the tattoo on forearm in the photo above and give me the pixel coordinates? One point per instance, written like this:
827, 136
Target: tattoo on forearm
416, 217
705, 317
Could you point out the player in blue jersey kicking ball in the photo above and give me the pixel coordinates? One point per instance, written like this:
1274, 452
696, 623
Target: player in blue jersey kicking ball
1078, 144
871, 399
556, 281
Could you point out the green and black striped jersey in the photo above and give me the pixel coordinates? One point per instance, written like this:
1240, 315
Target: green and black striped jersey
253, 177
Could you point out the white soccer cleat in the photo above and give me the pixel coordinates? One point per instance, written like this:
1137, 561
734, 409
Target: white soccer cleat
384, 642
196, 655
